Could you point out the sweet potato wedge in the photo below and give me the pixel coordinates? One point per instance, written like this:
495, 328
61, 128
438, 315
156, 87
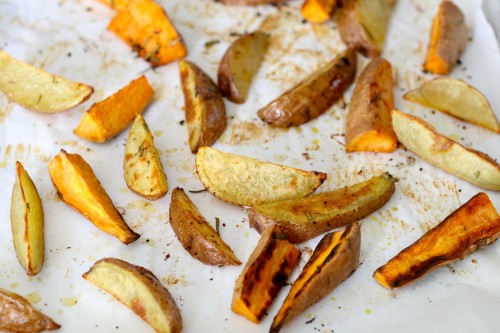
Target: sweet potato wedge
334, 259
448, 39
305, 218
77, 185
473, 225
251, 2
314, 95
369, 124
108, 118
318, 11
265, 273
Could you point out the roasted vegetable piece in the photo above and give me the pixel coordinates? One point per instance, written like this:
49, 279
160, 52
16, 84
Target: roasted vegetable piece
144, 25
196, 235
314, 95
142, 165
335, 258
448, 39
251, 2
27, 221
77, 185
140, 290
473, 225
205, 109
318, 11
18, 315
239, 65
363, 24
108, 118
369, 124
471, 165
305, 218
458, 99
246, 181
38, 90
265, 273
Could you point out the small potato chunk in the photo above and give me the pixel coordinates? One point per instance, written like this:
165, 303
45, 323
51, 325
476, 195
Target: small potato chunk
314, 95
142, 165
77, 185
369, 125
205, 109
196, 235
239, 65
251, 2
108, 118
448, 39
473, 225
318, 11
27, 222
38, 90
335, 258
140, 290
18, 315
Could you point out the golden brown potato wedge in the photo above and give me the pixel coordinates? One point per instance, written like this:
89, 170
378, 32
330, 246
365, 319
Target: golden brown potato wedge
27, 222
140, 290
305, 218
318, 11
142, 166
471, 165
448, 39
251, 2
265, 273
77, 185
363, 24
196, 235
205, 109
18, 315
239, 65
38, 90
314, 95
473, 225
246, 181
108, 118
369, 124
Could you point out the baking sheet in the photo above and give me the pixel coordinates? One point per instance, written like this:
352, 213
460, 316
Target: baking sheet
69, 38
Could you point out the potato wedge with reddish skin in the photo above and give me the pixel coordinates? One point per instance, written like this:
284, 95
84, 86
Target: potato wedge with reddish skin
265, 273
473, 225
335, 258
318, 11
196, 235
251, 2
369, 124
305, 218
108, 118
140, 290
77, 185
204, 106
18, 315
245, 181
314, 95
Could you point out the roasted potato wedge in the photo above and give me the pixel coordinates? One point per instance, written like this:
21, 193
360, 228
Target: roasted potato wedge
77, 185
196, 235
140, 290
473, 166
246, 181
27, 222
318, 11
142, 166
448, 39
363, 24
108, 118
251, 2
369, 125
458, 99
38, 90
204, 106
473, 225
305, 218
18, 315
239, 65
265, 273
334, 259
314, 95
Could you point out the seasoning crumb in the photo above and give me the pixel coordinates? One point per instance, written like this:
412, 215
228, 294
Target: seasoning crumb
310, 320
